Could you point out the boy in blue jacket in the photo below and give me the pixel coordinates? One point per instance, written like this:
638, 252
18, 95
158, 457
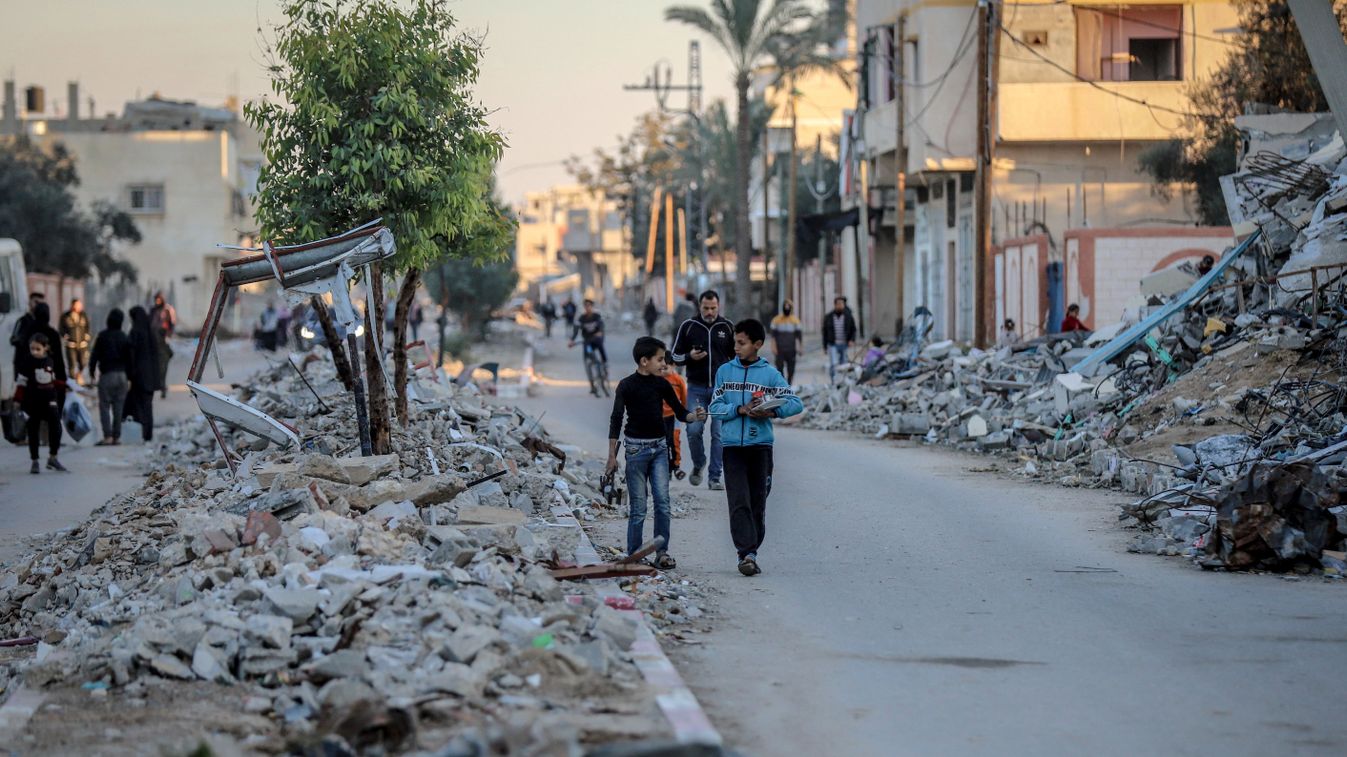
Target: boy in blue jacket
748, 394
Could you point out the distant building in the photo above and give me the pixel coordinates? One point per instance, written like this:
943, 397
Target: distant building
185, 172
1084, 88
572, 242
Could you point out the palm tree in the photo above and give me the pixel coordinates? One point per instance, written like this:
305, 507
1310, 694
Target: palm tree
751, 32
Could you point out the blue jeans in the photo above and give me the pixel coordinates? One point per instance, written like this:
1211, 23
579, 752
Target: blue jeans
647, 465
837, 355
700, 396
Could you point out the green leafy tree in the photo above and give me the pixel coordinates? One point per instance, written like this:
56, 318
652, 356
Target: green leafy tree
374, 116
38, 209
1266, 70
751, 32
476, 276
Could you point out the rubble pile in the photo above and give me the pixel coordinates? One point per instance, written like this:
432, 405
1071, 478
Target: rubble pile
1220, 396
343, 593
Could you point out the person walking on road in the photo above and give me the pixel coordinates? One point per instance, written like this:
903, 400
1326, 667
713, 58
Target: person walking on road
549, 313
749, 393
671, 435
163, 323
267, 326
686, 309
75, 338
839, 334
787, 338
145, 372
568, 312
702, 345
40, 390
111, 355
23, 328
651, 316
642, 397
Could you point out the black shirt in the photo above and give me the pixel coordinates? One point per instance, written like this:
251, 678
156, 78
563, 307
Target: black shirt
643, 399
112, 353
716, 339
590, 326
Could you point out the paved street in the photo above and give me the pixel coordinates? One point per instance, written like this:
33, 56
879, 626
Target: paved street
911, 605
50, 501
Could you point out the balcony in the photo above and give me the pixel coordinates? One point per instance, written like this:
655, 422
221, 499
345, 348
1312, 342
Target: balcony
1080, 112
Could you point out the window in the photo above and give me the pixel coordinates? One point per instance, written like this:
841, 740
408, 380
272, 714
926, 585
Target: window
951, 205
147, 198
1129, 44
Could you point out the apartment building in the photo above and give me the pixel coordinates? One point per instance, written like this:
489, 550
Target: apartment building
186, 173
1083, 89
572, 242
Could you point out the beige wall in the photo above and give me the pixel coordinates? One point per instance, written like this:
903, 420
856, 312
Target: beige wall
199, 171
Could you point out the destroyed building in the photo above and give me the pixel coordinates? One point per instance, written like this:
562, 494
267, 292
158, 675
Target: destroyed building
1220, 397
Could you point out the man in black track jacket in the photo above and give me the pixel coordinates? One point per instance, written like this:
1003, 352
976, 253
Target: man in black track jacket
701, 346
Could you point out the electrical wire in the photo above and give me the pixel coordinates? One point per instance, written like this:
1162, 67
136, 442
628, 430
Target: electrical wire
1137, 100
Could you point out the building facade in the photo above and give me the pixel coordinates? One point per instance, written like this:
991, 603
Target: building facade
1082, 89
572, 241
184, 172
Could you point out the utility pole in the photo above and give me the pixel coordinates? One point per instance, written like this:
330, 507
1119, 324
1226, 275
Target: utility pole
900, 171
662, 86
767, 205
989, 26
791, 196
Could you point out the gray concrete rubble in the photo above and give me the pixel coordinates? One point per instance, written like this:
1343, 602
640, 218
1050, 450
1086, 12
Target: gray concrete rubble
321, 584
1230, 415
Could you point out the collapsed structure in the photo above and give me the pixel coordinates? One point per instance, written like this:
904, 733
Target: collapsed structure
1221, 399
399, 602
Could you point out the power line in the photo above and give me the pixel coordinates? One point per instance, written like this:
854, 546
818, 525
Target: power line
964, 40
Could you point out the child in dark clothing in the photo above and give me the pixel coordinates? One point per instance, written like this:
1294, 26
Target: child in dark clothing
40, 391
642, 397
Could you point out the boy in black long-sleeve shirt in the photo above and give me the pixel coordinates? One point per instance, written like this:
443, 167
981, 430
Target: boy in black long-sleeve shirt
642, 397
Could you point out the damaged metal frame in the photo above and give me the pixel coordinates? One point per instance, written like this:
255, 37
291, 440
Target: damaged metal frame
323, 267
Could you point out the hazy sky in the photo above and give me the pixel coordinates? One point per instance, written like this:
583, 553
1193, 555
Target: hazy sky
553, 72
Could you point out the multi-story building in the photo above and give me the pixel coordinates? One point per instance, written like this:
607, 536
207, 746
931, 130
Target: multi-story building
186, 174
1082, 88
572, 242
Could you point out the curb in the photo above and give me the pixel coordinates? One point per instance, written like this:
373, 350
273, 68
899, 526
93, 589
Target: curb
680, 706
15, 713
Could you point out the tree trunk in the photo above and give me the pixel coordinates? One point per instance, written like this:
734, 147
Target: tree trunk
743, 239
334, 344
442, 318
404, 308
380, 433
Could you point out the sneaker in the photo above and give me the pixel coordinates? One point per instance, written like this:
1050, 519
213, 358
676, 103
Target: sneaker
696, 475
748, 565
35, 469
715, 486
665, 561
680, 474
104, 442
54, 464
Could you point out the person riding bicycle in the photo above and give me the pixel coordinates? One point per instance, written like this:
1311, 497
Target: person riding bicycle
590, 326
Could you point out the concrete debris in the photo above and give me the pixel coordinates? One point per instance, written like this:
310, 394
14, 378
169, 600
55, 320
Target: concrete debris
1227, 410
346, 597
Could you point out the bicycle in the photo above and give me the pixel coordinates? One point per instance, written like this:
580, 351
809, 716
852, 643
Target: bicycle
596, 371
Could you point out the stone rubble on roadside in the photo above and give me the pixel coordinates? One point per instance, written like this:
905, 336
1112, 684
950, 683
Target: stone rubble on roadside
328, 585
1237, 389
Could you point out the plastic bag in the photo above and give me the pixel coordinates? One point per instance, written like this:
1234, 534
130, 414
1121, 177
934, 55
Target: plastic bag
15, 422
78, 423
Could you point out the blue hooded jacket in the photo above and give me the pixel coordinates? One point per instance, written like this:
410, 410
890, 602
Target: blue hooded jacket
736, 384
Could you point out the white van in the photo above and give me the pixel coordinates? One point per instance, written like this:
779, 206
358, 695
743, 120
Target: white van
13, 304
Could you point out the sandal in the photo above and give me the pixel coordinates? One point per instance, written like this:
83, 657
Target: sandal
665, 561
